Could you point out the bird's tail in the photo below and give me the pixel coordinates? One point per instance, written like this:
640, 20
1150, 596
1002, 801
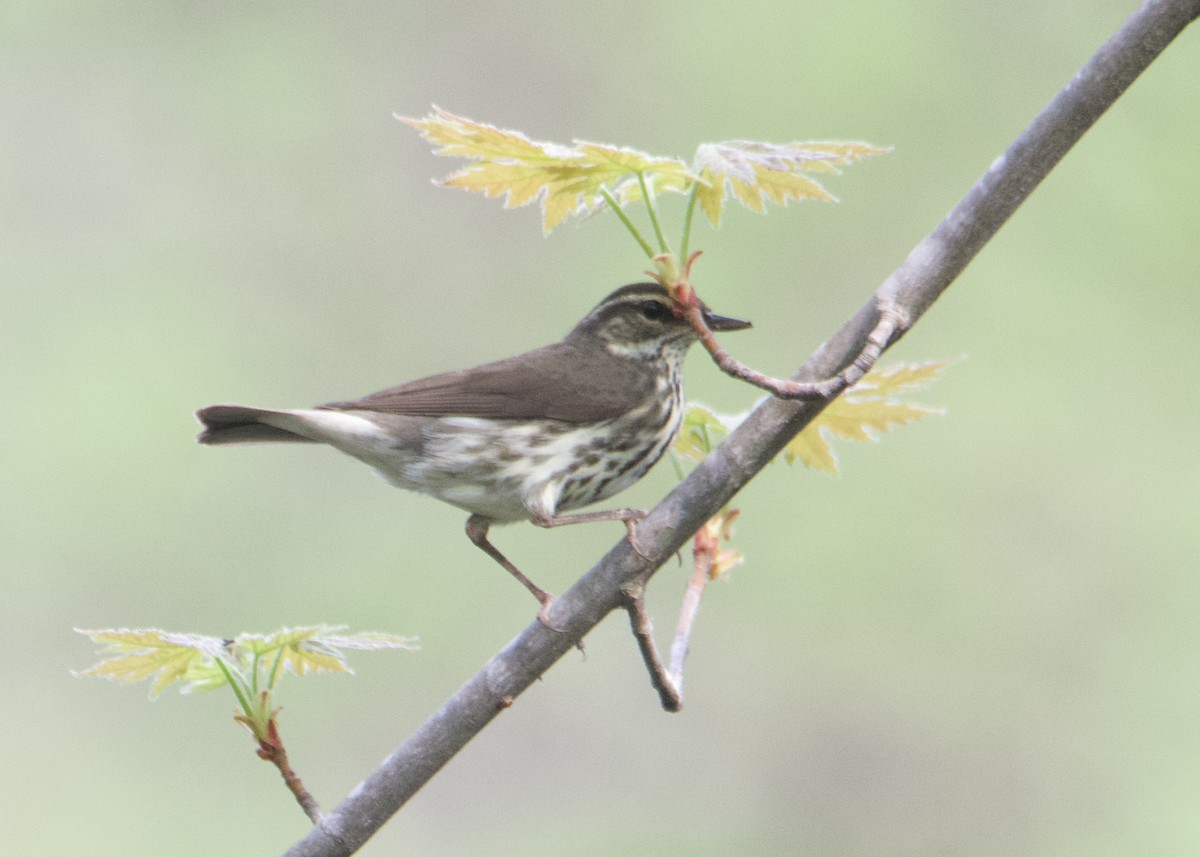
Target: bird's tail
240, 424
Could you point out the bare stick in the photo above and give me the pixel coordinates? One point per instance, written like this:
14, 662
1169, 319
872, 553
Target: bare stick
913, 287
893, 322
669, 691
704, 551
668, 679
272, 750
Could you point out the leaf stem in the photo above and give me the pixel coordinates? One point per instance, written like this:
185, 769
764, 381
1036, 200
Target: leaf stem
275, 670
633, 230
238, 690
687, 221
658, 233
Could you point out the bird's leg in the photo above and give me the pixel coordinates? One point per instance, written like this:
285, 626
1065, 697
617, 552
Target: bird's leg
630, 517
477, 530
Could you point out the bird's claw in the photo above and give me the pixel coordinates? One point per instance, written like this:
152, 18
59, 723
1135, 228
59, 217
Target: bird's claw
543, 615
631, 521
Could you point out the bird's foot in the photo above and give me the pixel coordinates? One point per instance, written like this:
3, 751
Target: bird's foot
631, 519
543, 614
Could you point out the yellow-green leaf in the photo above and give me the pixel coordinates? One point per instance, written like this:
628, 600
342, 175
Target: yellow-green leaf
254, 660
137, 654
753, 173
316, 648
206, 675
701, 431
565, 180
630, 190
812, 450
299, 650
863, 413
903, 376
370, 641
460, 137
610, 163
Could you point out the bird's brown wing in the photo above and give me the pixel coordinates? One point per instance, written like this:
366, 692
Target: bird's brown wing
557, 382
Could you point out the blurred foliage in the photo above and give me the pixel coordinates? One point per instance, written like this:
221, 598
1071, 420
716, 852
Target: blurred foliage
981, 639
863, 413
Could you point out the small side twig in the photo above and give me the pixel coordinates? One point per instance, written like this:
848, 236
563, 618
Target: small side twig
668, 679
271, 749
704, 552
643, 631
892, 321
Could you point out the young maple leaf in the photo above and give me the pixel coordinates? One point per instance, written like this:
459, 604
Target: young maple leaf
565, 180
316, 648
630, 189
718, 529
701, 431
205, 663
300, 651
137, 654
753, 173
862, 413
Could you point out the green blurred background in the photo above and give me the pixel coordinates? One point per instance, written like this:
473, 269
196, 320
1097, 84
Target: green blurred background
981, 640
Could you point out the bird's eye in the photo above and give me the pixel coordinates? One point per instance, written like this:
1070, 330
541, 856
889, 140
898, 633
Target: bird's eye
654, 311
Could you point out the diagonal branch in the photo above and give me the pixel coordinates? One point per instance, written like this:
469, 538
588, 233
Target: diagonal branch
913, 287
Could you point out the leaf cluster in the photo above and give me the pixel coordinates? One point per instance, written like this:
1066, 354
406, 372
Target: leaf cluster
583, 177
252, 661
868, 409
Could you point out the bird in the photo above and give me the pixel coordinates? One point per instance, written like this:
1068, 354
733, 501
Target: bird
528, 437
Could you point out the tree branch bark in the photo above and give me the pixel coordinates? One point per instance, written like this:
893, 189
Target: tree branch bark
913, 287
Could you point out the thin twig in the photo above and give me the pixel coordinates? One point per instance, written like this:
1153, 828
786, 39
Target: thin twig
668, 679
704, 551
892, 323
669, 691
272, 750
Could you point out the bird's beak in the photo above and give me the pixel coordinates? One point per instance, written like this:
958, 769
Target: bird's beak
722, 322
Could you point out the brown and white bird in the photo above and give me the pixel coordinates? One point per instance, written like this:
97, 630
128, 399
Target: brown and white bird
525, 438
